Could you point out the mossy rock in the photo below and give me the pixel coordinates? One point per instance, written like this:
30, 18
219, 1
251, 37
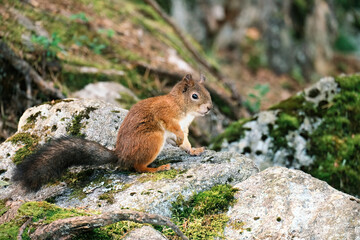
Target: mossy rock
326, 117
336, 142
30, 142
202, 216
47, 213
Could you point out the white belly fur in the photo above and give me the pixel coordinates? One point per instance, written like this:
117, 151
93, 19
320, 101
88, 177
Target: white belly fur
184, 123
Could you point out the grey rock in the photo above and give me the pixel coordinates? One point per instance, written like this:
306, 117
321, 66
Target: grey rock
110, 92
144, 233
323, 90
191, 174
52, 120
279, 203
108, 189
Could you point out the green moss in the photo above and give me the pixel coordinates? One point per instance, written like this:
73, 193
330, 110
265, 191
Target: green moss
47, 213
43, 211
30, 142
87, 178
232, 133
30, 121
201, 217
170, 174
290, 105
335, 144
349, 83
74, 128
114, 231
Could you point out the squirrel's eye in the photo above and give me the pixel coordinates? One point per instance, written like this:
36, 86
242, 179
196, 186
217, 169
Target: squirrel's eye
195, 96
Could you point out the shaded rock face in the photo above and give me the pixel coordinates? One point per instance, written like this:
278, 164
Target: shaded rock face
275, 138
279, 203
104, 188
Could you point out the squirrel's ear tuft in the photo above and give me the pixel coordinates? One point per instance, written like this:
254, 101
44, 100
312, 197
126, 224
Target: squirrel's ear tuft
202, 78
188, 80
187, 77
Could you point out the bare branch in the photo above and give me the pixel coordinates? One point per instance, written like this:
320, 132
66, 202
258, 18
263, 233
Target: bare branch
22, 66
61, 229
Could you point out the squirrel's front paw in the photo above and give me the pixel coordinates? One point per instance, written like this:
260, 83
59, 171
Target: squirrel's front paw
197, 151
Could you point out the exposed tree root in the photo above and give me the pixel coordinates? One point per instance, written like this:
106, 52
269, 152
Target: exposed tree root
64, 228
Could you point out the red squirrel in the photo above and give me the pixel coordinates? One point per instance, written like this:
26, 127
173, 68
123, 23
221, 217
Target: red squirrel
149, 124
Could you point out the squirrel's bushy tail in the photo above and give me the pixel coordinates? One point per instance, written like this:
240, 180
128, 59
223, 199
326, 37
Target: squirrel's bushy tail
54, 157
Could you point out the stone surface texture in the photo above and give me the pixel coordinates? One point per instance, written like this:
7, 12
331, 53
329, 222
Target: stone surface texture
52, 120
144, 233
280, 203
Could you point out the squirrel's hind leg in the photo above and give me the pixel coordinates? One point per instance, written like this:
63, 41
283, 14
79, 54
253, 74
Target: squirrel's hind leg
150, 152
144, 168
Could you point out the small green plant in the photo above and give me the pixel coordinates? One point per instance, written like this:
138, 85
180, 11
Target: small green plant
253, 101
93, 44
80, 16
108, 32
96, 46
50, 45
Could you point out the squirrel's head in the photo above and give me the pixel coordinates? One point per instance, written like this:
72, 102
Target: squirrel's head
196, 98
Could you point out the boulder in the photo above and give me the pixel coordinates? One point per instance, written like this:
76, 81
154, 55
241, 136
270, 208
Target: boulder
279, 203
105, 188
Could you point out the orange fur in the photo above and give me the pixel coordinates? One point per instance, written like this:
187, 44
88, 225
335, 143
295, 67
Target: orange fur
143, 133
